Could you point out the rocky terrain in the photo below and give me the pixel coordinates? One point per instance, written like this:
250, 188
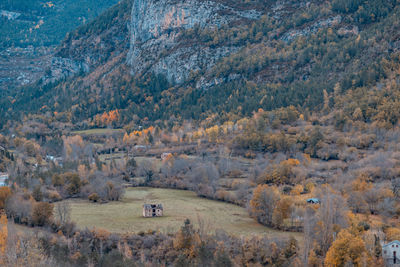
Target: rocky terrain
156, 25
31, 30
21, 66
150, 33
191, 59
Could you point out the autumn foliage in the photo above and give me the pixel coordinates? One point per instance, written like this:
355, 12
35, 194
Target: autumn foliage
3, 236
5, 192
42, 213
138, 135
107, 118
346, 249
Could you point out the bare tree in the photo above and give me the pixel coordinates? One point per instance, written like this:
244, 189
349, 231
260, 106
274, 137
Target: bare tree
309, 230
19, 209
387, 207
396, 187
330, 217
204, 173
372, 197
146, 169
356, 202
63, 212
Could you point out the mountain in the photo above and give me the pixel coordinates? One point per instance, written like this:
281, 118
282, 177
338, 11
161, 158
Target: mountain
30, 30
171, 60
44, 23
156, 44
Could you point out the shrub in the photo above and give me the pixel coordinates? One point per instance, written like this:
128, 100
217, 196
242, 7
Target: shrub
42, 213
19, 208
54, 196
5, 193
94, 197
297, 190
74, 183
236, 184
37, 193
287, 189
57, 180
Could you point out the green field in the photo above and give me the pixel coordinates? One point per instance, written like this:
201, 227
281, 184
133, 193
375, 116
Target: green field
126, 215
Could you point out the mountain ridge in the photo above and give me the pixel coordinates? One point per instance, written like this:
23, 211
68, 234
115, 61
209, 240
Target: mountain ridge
293, 53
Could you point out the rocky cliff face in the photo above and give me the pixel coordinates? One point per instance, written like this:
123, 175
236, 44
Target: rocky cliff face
154, 35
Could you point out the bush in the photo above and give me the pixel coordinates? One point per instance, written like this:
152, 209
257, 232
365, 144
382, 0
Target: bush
94, 197
37, 193
68, 229
5, 193
287, 189
19, 207
364, 225
54, 196
42, 214
74, 183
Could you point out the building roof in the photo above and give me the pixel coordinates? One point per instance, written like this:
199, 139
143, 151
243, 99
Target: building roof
313, 199
152, 206
394, 242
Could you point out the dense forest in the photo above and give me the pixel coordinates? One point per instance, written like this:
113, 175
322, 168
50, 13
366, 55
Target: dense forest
44, 23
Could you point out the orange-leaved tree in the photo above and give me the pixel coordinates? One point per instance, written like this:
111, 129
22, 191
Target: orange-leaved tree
3, 237
5, 192
263, 203
346, 249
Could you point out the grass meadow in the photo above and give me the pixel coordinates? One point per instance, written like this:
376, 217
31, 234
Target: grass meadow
126, 216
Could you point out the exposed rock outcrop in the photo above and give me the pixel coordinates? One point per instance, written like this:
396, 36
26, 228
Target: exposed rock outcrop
155, 27
61, 68
324, 23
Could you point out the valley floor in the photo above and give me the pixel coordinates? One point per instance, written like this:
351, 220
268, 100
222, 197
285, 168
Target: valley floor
126, 215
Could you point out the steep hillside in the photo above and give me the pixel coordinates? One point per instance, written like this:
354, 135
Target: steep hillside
30, 30
167, 59
38, 23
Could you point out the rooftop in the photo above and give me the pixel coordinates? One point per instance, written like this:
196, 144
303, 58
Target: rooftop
152, 206
397, 242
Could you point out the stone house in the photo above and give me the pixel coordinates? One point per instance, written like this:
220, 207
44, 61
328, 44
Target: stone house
153, 210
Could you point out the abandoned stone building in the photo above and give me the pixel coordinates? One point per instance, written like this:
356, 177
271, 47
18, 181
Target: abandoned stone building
153, 210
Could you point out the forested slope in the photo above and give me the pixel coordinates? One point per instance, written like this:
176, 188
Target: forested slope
296, 54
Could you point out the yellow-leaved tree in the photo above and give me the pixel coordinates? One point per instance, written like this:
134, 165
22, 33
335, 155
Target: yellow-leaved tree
3, 237
263, 203
347, 249
5, 192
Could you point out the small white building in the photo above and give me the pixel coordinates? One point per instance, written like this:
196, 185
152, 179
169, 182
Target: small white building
3, 179
391, 253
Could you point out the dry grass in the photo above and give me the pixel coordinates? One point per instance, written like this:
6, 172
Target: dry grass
126, 215
109, 157
98, 131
